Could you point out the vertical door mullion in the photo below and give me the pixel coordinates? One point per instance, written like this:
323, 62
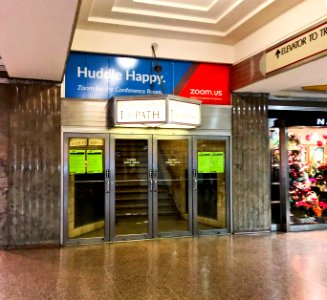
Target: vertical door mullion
193, 186
152, 159
111, 211
154, 215
107, 190
65, 190
228, 185
190, 196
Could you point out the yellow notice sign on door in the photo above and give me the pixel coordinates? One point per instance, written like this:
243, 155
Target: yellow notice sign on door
204, 162
211, 162
76, 161
217, 162
94, 161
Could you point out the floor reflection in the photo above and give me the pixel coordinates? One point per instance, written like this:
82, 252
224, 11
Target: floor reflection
267, 266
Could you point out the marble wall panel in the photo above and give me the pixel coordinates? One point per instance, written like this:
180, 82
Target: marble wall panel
250, 166
4, 138
33, 199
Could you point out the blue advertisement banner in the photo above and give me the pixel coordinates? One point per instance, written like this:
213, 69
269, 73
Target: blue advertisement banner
99, 76
102, 76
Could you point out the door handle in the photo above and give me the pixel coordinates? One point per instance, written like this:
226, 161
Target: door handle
107, 181
155, 181
108, 186
150, 178
195, 184
195, 180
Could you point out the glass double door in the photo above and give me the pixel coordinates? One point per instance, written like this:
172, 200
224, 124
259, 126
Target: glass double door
149, 186
122, 187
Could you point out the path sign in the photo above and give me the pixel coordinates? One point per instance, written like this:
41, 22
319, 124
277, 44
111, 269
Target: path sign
301, 47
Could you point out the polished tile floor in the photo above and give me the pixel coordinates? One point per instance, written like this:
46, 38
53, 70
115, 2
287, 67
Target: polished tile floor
265, 266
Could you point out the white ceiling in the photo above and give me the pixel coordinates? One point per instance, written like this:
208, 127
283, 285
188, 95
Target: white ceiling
36, 35
221, 21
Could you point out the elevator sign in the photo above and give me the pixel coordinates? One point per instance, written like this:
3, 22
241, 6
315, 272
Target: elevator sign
303, 46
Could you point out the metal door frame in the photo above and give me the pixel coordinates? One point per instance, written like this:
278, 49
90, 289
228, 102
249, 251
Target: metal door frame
155, 139
152, 194
112, 211
152, 136
65, 238
195, 138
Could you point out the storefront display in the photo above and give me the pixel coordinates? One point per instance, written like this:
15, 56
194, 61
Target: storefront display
307, 174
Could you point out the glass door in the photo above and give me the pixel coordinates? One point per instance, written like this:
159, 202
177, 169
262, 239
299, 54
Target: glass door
85, 196
131, 187
144, 186
171, 200
150, 186
210, 185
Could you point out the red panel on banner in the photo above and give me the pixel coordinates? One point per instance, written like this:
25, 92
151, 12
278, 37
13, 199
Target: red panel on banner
208, 83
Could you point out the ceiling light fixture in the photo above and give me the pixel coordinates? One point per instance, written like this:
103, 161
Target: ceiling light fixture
316, 88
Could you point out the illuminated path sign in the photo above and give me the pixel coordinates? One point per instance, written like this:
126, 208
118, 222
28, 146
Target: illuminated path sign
98, 76
167, 111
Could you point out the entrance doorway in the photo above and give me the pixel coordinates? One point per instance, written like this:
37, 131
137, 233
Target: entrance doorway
140, 186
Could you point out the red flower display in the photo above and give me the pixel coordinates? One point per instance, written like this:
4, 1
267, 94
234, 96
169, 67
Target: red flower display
308, 137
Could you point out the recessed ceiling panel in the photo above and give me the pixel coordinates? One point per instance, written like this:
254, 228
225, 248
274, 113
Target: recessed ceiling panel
221, 19
202, 5
243, 12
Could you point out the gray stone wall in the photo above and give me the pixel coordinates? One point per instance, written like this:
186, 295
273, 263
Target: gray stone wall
250, 166
32, 198
4, 137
